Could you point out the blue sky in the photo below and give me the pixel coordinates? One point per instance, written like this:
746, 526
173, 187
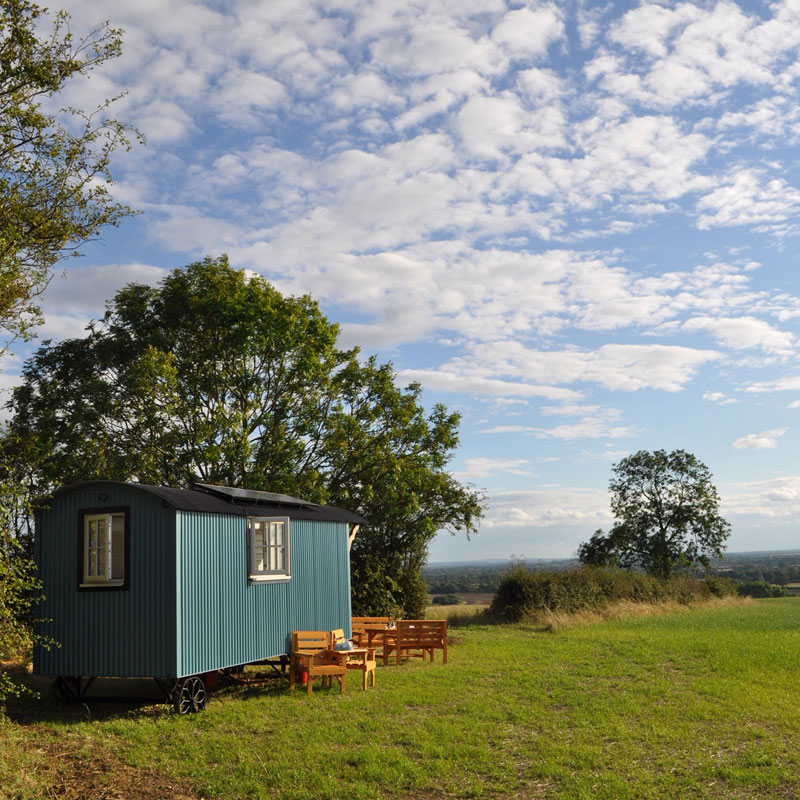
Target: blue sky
576, 223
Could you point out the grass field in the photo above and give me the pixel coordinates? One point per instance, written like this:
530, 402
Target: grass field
702, 703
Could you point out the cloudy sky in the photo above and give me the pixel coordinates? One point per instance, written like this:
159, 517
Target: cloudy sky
575, 222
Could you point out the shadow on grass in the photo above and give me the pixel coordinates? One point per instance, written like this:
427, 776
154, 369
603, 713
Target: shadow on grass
118, 698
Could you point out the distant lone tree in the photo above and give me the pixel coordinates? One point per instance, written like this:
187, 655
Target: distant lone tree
667, 515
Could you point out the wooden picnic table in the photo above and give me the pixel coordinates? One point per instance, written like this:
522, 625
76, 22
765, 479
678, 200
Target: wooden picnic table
387, 638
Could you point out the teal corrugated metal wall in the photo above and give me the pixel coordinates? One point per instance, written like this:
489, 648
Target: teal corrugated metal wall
225, 620
125, 633
320, 589
189, 606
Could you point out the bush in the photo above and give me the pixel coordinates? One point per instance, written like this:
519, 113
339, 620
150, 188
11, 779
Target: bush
721, 587
761, 589
445, 600
523, 592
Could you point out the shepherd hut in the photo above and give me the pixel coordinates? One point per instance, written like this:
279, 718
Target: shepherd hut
149, 581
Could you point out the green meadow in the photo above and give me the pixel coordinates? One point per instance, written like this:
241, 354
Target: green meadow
697, 703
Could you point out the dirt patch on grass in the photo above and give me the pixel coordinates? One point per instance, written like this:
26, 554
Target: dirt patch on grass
67, 775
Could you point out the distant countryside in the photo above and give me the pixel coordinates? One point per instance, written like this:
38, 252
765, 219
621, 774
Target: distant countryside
476, 582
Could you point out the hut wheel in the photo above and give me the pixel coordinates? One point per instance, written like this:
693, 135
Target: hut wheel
190, 696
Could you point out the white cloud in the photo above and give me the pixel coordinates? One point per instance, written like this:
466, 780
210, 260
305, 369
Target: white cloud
490, 125
771, 498
243, 97
589, 428
743, 332
748, 198
451, 381
525, 33
509, 369
789, 383
482, 467
548, 507
768, 118
185, 229
162, 121
366, 90
542, 86
760, 441
650, 155
616, 367
78, 295
82, 291
438, 93
691, 54
649, 27
571, 410
508, 429
595, 423
719, 398
419, 44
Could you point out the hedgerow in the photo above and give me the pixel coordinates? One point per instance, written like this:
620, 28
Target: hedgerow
761, 589
525, 592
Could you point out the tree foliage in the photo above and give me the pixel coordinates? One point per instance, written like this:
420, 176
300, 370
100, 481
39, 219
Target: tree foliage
214, 376
54, 178
761, 589
666, 513
54, 168
19, 586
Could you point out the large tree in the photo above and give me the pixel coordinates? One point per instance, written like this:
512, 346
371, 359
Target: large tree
215, 376
54, 168
667, 515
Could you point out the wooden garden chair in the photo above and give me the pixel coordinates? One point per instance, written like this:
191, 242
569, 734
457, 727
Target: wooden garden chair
361, 658
312, 653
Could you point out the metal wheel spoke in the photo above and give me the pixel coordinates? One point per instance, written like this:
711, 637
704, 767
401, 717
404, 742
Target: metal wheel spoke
191, 697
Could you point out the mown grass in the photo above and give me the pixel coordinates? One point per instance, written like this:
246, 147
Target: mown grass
700, 703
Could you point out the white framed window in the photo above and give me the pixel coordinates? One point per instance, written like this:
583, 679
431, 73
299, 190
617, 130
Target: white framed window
103, 549
269, 548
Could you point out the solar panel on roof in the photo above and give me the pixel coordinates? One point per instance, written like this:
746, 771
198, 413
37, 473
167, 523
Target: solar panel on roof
254, 496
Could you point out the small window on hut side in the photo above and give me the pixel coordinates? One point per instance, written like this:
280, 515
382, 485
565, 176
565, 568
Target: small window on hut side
268, 546
103, 549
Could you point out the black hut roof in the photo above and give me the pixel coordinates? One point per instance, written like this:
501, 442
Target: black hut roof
212, 499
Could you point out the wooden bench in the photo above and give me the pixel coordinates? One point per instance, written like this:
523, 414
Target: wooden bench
361, 658
312, 653
423, 635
